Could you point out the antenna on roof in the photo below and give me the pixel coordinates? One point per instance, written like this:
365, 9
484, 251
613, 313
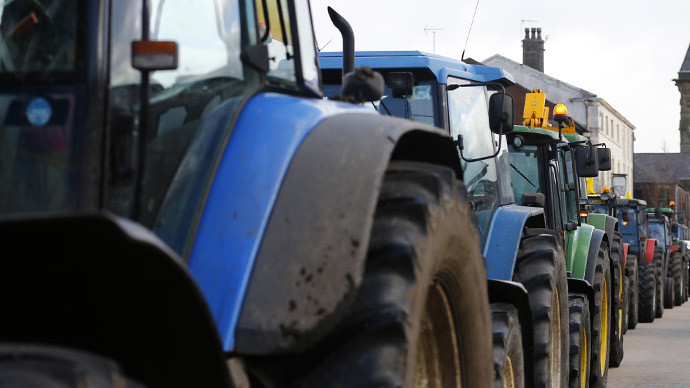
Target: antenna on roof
433, 32
462, 57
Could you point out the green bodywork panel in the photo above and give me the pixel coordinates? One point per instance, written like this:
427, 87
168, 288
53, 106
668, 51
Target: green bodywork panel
574, 137
597, 220
578, 250
536, 131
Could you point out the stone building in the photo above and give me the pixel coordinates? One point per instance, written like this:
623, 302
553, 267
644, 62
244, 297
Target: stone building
683, 83
663, 177
601, 122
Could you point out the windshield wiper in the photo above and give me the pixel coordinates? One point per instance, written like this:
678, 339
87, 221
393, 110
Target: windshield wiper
523, 175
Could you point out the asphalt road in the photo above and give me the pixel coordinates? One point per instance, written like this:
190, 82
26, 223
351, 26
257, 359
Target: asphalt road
656, 354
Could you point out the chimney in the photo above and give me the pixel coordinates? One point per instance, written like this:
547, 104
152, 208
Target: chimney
533, 49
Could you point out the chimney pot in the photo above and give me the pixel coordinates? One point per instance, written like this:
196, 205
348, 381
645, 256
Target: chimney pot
533, 49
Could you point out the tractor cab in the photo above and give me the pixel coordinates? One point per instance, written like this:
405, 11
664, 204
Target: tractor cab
123, 105
659, 226
467, 101
632, 221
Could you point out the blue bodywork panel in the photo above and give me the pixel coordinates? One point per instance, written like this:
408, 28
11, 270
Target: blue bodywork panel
268, 132
503, 239
441, 66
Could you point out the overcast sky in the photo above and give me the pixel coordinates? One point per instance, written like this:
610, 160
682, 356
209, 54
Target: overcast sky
625, 51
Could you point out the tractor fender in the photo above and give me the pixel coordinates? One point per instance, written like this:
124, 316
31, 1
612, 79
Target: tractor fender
597, 239
504, 236
311, 259
674, 248
606, 223
102, 284
583, 287
626, 248
579, 242
649, 251
514, 293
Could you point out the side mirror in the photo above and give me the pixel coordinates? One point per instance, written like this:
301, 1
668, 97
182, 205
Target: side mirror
586, 162
604, 159
674, 228
625, 214
363, 85
401, 83
533, 200
501, 112
681, 219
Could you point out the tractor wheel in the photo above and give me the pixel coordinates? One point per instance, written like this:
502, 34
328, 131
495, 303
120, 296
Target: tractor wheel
580, 340
676, 266
626, 304
541, 269
617, 300
669, 295
53, 366
601, 320
634, 291
684, 271
509, 364
421, 315
660, 281
647, 288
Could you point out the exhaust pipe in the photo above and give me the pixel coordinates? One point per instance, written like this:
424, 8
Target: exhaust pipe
348, 40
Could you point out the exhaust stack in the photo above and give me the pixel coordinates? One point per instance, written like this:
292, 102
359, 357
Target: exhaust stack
348, 40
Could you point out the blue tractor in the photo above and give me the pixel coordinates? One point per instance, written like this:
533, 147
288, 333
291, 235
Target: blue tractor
179, 198
528, 288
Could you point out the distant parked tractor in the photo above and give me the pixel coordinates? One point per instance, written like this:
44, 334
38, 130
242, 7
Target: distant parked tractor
547, 166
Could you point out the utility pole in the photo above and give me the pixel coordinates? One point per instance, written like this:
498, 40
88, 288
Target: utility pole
433, 33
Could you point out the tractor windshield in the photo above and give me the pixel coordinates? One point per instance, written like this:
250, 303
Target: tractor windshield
38, 39
525, 171
629, 228
656, 231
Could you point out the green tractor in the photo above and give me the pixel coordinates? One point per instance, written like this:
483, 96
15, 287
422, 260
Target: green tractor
546, 171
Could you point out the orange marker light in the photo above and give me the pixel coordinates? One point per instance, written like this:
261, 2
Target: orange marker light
154, 55
584, 213
672, 203
605, 190
560, 109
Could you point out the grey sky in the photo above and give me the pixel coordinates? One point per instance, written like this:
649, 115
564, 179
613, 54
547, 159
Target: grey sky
625, 51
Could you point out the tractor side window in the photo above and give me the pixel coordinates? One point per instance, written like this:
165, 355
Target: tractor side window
190, 108
505, 186
278, 38
557, 198
469, 117
307, 45
570, 191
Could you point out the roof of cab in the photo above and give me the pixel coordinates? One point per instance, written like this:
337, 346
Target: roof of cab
441, 66
535, 130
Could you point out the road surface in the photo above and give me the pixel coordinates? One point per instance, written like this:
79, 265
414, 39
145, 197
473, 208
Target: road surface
656, 354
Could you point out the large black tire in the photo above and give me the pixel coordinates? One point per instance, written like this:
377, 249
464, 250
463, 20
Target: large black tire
422, 310
669, 295
601, 320
660, 281
647, 288
509, 364
617, 300
541, 269
675, 265
684, 270
580, 340
634, 291
58, 367
626, 304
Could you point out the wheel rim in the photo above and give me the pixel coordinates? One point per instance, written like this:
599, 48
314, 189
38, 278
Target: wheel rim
556, 341
438, 355
604, 327
620, 303
509, 374
583, 359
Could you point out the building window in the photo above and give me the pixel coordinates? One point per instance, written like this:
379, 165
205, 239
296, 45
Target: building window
618, 133
607, 125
